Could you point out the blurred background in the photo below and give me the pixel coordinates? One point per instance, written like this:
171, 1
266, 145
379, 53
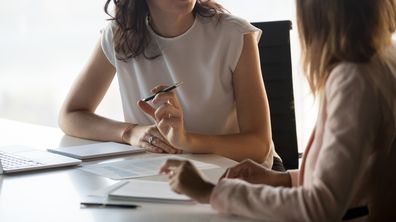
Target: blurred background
45, 43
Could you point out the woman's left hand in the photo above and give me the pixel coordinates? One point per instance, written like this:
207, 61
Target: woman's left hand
186, 179
168, 116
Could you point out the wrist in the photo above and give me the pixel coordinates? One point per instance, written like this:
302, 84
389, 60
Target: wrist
186, 142
288, 180
283, 179
196, 143
207, 193
127, 134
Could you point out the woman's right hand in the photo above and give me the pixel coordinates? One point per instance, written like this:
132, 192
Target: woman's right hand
149, 138
255, 173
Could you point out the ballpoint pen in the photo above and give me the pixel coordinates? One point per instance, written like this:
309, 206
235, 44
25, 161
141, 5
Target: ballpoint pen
98, 204
167, 89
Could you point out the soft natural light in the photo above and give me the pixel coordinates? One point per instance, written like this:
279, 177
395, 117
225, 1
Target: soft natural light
45, 43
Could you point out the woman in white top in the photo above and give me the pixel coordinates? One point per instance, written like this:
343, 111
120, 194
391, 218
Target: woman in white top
221, 106
348, 171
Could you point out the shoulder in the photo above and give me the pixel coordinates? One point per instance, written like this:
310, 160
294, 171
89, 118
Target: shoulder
349, 78
109, 28
229, 23
107, 42
348, 73
237, 23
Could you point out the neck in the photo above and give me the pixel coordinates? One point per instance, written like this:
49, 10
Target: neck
171, 25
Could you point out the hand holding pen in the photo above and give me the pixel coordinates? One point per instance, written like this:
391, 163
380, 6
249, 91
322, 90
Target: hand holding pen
167, 89
167, 113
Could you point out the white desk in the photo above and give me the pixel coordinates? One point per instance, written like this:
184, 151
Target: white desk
54, 195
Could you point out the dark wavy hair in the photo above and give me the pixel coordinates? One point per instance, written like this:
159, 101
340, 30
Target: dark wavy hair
131, 36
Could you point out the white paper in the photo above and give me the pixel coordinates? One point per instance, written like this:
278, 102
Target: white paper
150, 191
135, 168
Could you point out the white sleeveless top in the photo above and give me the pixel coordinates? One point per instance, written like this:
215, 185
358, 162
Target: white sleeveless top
204, 58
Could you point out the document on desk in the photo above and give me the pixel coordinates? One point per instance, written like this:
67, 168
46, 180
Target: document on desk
148, 191
135, 168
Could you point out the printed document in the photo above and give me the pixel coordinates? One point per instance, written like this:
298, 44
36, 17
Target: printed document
135, 168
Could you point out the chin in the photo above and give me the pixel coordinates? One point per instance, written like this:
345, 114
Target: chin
185, 3
186, 7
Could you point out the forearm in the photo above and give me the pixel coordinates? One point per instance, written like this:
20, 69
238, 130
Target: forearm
88, 125
238, 197
236, 146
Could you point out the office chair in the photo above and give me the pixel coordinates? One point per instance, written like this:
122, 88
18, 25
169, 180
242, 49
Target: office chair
275, 60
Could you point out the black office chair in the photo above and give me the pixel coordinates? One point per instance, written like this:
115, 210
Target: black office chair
275, 59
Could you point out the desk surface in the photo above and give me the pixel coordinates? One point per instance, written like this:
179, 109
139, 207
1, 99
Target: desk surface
55, 195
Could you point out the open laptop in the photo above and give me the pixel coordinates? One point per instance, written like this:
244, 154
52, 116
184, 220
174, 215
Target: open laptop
23, 158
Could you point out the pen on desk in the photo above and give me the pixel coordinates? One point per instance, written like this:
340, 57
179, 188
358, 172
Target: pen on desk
121, 205
167, 89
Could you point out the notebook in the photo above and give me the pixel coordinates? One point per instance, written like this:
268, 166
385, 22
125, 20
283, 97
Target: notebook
17, 158
96, 150
148, 191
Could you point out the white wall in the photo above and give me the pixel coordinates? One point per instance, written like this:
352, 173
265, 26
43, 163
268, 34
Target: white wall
45, 43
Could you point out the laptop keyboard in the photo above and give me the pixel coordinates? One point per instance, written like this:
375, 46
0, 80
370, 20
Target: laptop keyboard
11, 162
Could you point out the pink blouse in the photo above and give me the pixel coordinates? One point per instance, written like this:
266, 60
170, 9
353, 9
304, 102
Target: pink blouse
349, 162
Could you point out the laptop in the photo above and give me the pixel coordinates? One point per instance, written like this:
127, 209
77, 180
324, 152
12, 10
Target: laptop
17, 158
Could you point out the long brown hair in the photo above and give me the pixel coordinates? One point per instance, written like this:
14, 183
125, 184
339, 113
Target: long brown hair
131, 36
341, 30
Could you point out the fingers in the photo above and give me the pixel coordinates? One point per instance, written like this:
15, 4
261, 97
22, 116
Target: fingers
168, 117
164, 146
166, 111
162, 98
145, 107
158, 88
158, 146
232, 172
186, 179
173, 167
165, 97
153, 141
149, 144
170, 165
161, 142
224, 175
150, 148
167, 101
169, 123
174, 185
237, 171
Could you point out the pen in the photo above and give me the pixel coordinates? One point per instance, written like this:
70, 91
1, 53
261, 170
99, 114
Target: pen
167, 89
121, 205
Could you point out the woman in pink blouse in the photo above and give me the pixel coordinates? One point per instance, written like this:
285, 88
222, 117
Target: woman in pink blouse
348, 171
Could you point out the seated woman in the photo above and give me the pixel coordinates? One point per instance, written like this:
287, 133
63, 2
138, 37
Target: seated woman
221, 107
349, 167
